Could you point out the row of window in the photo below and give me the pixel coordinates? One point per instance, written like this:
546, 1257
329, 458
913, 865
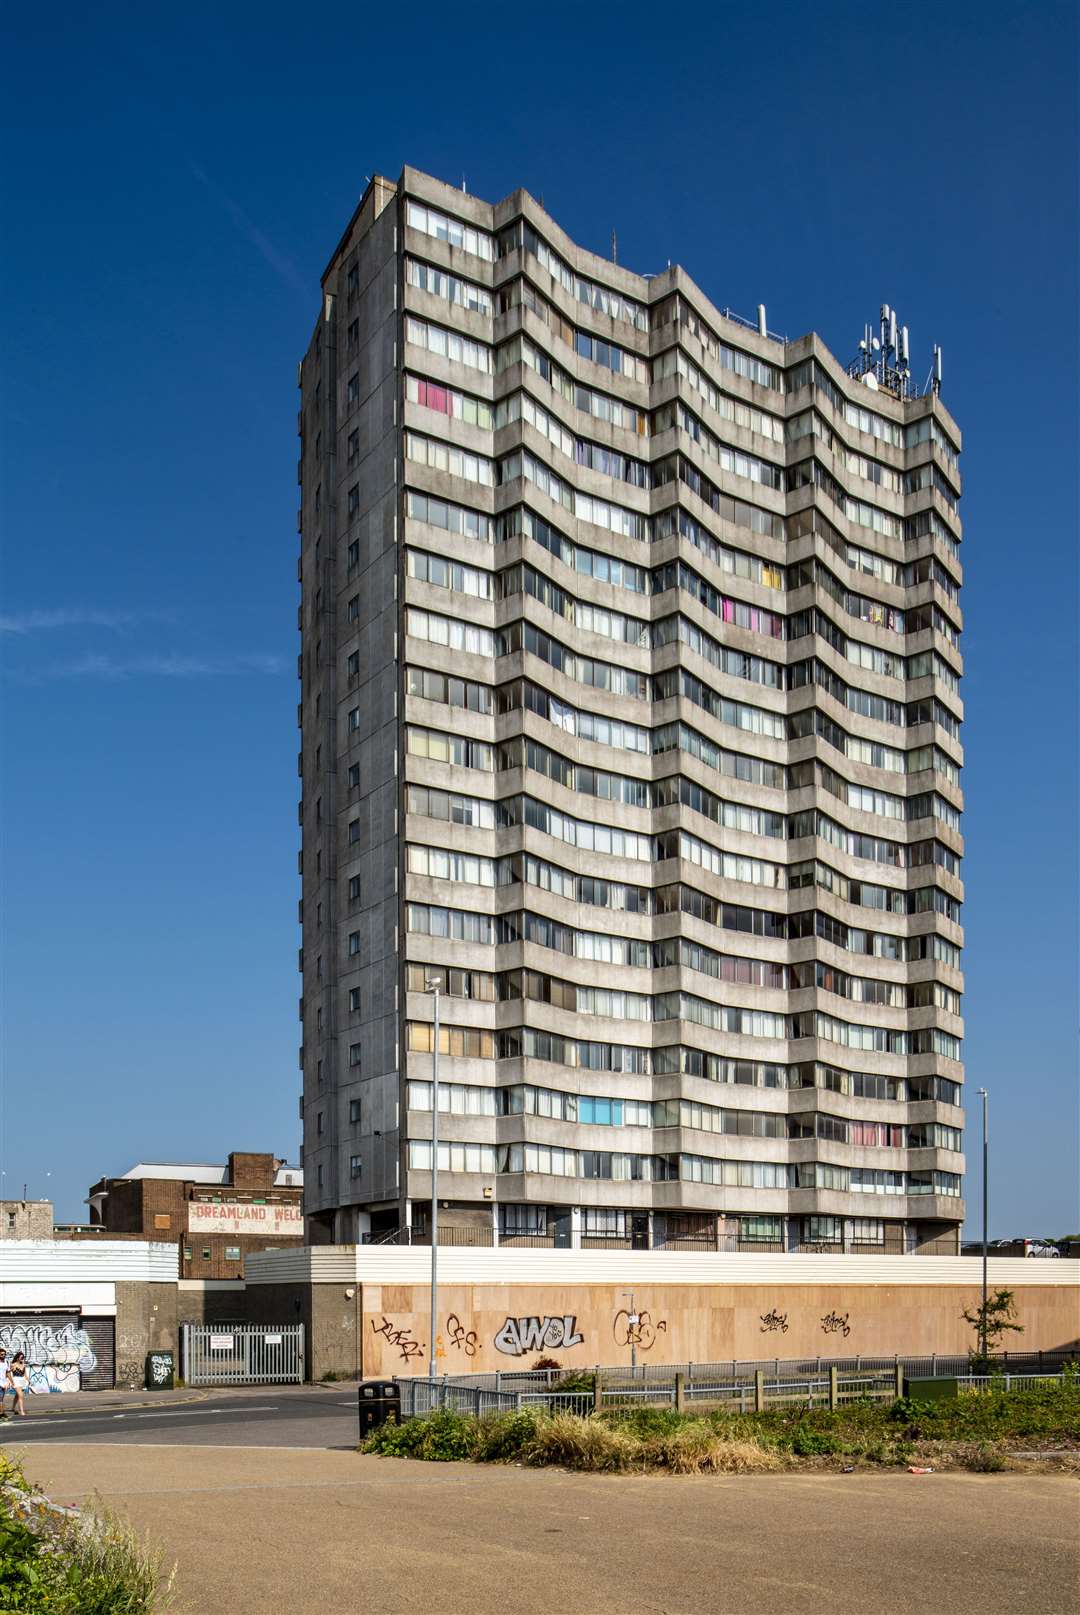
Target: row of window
618, 306
619, 1166
604, 948
520, 520
594, 891
648, 633
642, 847
527, 1042
595, 1110
459, 634
479, 356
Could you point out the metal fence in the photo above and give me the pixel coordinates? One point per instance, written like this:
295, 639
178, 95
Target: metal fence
419, 1396
1007, 1382
730, 1370
242, 1353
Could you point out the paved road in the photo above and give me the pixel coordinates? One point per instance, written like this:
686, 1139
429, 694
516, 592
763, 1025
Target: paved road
312, 1532
264, 1416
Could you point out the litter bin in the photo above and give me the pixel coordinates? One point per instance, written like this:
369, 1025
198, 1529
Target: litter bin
160, 1371
379, 1403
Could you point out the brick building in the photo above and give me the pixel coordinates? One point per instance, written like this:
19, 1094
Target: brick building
216, 1215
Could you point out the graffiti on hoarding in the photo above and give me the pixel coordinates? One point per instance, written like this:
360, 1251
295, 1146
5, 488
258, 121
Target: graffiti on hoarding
833, 1323
520, 1335
637, 1329
464, 1339
773, 1320
55, 1358
401, 1338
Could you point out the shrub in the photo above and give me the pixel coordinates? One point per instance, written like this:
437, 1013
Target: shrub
545, 1362
808, 1443
576, 1380
501, 1437
442, 1437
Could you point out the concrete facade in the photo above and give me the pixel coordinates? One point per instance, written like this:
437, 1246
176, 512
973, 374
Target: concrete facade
629, 715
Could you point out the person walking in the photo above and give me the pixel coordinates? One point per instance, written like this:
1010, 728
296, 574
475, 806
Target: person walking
5, 1381
20, 1381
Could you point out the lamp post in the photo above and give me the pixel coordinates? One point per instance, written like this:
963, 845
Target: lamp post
632, 1321
985, 1097
433, 988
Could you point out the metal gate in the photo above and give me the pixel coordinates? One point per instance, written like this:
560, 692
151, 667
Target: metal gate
242, 1353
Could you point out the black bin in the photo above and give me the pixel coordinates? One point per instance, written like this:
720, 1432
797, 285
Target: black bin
160, 1371
379, 1403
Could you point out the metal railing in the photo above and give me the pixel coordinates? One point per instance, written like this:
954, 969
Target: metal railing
1007, 1382
420, 1396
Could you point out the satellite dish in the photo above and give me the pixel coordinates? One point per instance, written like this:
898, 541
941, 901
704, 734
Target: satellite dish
876, 345
871, 380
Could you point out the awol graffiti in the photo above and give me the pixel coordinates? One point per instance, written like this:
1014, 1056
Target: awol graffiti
520, 1335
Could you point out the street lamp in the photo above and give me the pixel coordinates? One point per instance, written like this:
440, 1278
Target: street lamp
985, 1097
432, 986
632, 1321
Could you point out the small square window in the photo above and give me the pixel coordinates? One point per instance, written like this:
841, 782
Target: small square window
187, 1253
206, 1255
232, 1253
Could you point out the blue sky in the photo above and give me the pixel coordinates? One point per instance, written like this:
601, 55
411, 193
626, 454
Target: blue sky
175, 181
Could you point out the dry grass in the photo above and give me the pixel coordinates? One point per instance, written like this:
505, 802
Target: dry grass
695, 1449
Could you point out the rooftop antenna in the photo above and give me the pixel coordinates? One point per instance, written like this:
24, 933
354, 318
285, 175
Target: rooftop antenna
463, 182
762, 327
614, 248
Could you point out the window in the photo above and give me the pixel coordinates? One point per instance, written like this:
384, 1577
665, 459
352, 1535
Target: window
354, 942
354, 1166
352, 336
354, 1000
232, 1253
319, 1176
354, 829
354, 499
206, 1255
354, 1055
353, 611
352, 390
319, 1123
354, 1112
354, 888
354, 775
187, 1253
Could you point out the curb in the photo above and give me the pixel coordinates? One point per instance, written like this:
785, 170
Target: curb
52, 1412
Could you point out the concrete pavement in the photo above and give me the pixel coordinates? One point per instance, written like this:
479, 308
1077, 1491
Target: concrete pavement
322, 1532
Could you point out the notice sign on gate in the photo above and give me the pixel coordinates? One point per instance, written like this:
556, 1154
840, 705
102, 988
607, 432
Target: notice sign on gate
273, 1340
222, 1342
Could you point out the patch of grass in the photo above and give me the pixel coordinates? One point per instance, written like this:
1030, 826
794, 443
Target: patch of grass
974, 1431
